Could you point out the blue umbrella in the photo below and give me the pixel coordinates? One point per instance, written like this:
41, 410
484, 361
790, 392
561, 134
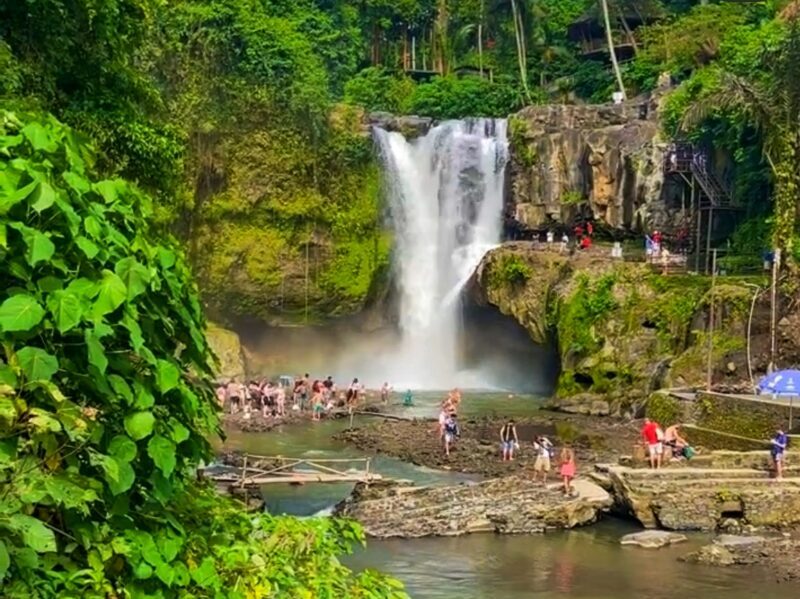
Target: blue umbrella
782, 382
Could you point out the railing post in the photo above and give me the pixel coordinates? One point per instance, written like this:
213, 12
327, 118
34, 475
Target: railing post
244, 472
367, 471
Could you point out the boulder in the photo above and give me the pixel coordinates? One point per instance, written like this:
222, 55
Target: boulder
653, 539
410, 126
505, 505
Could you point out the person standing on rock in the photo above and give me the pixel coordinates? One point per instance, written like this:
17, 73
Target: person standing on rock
451, 433
385, 391
779, 443
652, 435
508, 440
543, 447
567, 469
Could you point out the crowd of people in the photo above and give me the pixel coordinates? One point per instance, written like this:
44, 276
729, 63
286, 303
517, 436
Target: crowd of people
272, 399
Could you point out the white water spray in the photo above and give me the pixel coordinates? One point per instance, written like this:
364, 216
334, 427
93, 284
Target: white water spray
445, 203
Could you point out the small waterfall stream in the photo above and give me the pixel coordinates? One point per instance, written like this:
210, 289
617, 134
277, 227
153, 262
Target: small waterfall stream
445, 197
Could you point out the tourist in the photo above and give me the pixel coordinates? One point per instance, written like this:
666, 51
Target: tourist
550, 239
544, 449
328, 388
408, 399
589, 229
586, 242
567, 469
352, 394
443, 414
385, 391
234, 396
221, 395
317, 404
451, 432
665, 261
779, 443
653, 436
564, 244
673, 440
280, 401
508, 440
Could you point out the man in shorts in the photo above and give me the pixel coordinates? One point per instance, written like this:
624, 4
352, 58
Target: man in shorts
543, 447
778, 451
652, 435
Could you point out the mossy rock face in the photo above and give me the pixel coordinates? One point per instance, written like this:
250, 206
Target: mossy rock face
228, 348
622, 331
665, 409
290, 232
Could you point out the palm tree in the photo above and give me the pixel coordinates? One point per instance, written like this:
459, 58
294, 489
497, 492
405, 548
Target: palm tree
522, 53
770, 101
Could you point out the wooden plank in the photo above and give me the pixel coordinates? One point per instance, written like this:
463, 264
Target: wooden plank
313, 478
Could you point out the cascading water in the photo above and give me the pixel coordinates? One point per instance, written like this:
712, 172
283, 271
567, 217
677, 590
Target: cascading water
445, 193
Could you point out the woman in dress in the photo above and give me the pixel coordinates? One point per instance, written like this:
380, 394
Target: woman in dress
567, 469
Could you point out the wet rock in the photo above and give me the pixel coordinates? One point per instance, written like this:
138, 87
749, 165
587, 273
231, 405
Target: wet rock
512, 504
228, 348
738, 540
652, 539
410, 126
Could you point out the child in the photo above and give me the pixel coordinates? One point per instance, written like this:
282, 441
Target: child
567, 469
451, 433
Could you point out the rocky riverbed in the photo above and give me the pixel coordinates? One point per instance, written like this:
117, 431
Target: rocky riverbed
781, 555
478, 452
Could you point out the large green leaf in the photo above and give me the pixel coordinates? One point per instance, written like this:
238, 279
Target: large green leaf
40, 137
134, 275
9, 201
39, 248
8, 410
162, 450
167, 376
44, 197
144, 399
5, 560
66, 308
122, 448
20, 313
3, 236
121, 387
96, 351
33, 531
88, 247
37, 364
139, 425
111, 293
125, 478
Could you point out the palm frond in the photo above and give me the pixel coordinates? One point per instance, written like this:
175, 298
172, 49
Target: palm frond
791, 11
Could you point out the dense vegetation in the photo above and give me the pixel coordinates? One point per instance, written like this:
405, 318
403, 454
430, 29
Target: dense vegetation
107, 406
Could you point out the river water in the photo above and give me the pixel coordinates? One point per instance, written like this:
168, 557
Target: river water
586, 563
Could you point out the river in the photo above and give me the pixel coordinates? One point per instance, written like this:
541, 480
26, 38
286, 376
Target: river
586, 563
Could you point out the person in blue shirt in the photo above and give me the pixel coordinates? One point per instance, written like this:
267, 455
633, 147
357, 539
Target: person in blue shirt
779, 443
408, 399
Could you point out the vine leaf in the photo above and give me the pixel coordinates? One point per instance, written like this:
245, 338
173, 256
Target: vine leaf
139, 425
96, 351
37, 364
134, 275
33, 531
44, 197
5, 560
162, 450
112, 292
20, 313
122, 448
167, 376
66, 308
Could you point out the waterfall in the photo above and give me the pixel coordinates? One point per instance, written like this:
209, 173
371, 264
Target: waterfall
445, 201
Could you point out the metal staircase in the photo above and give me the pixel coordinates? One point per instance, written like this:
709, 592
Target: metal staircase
714, 195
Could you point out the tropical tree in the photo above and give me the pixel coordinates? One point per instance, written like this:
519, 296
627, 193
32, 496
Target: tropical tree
770, 101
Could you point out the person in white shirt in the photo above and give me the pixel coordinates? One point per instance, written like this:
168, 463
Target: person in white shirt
543, 447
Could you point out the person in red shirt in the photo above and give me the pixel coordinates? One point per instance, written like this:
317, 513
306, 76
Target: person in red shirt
653, 436
589, 229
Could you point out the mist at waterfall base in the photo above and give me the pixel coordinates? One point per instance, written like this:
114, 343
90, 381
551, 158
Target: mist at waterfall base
444, 196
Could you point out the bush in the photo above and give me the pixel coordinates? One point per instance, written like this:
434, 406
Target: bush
511, 270
454, 98
106, 405
376, 89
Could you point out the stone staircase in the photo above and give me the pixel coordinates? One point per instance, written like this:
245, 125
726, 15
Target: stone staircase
718, 491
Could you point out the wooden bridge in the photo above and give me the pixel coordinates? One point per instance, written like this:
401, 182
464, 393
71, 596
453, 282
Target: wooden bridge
257, 470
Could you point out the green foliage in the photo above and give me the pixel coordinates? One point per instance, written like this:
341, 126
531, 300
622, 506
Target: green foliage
664, 409
452, 97
572, 198
511, 270
375, 89
591, 300
106, 406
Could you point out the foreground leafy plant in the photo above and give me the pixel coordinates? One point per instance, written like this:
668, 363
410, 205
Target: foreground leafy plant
106, 405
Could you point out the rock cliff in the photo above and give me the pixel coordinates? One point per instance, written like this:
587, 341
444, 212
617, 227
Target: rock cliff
603, 161
622, 329
504, 505
228, 348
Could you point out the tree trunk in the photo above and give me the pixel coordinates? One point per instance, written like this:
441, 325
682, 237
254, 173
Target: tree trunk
480, 39
519, 36
611, 51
